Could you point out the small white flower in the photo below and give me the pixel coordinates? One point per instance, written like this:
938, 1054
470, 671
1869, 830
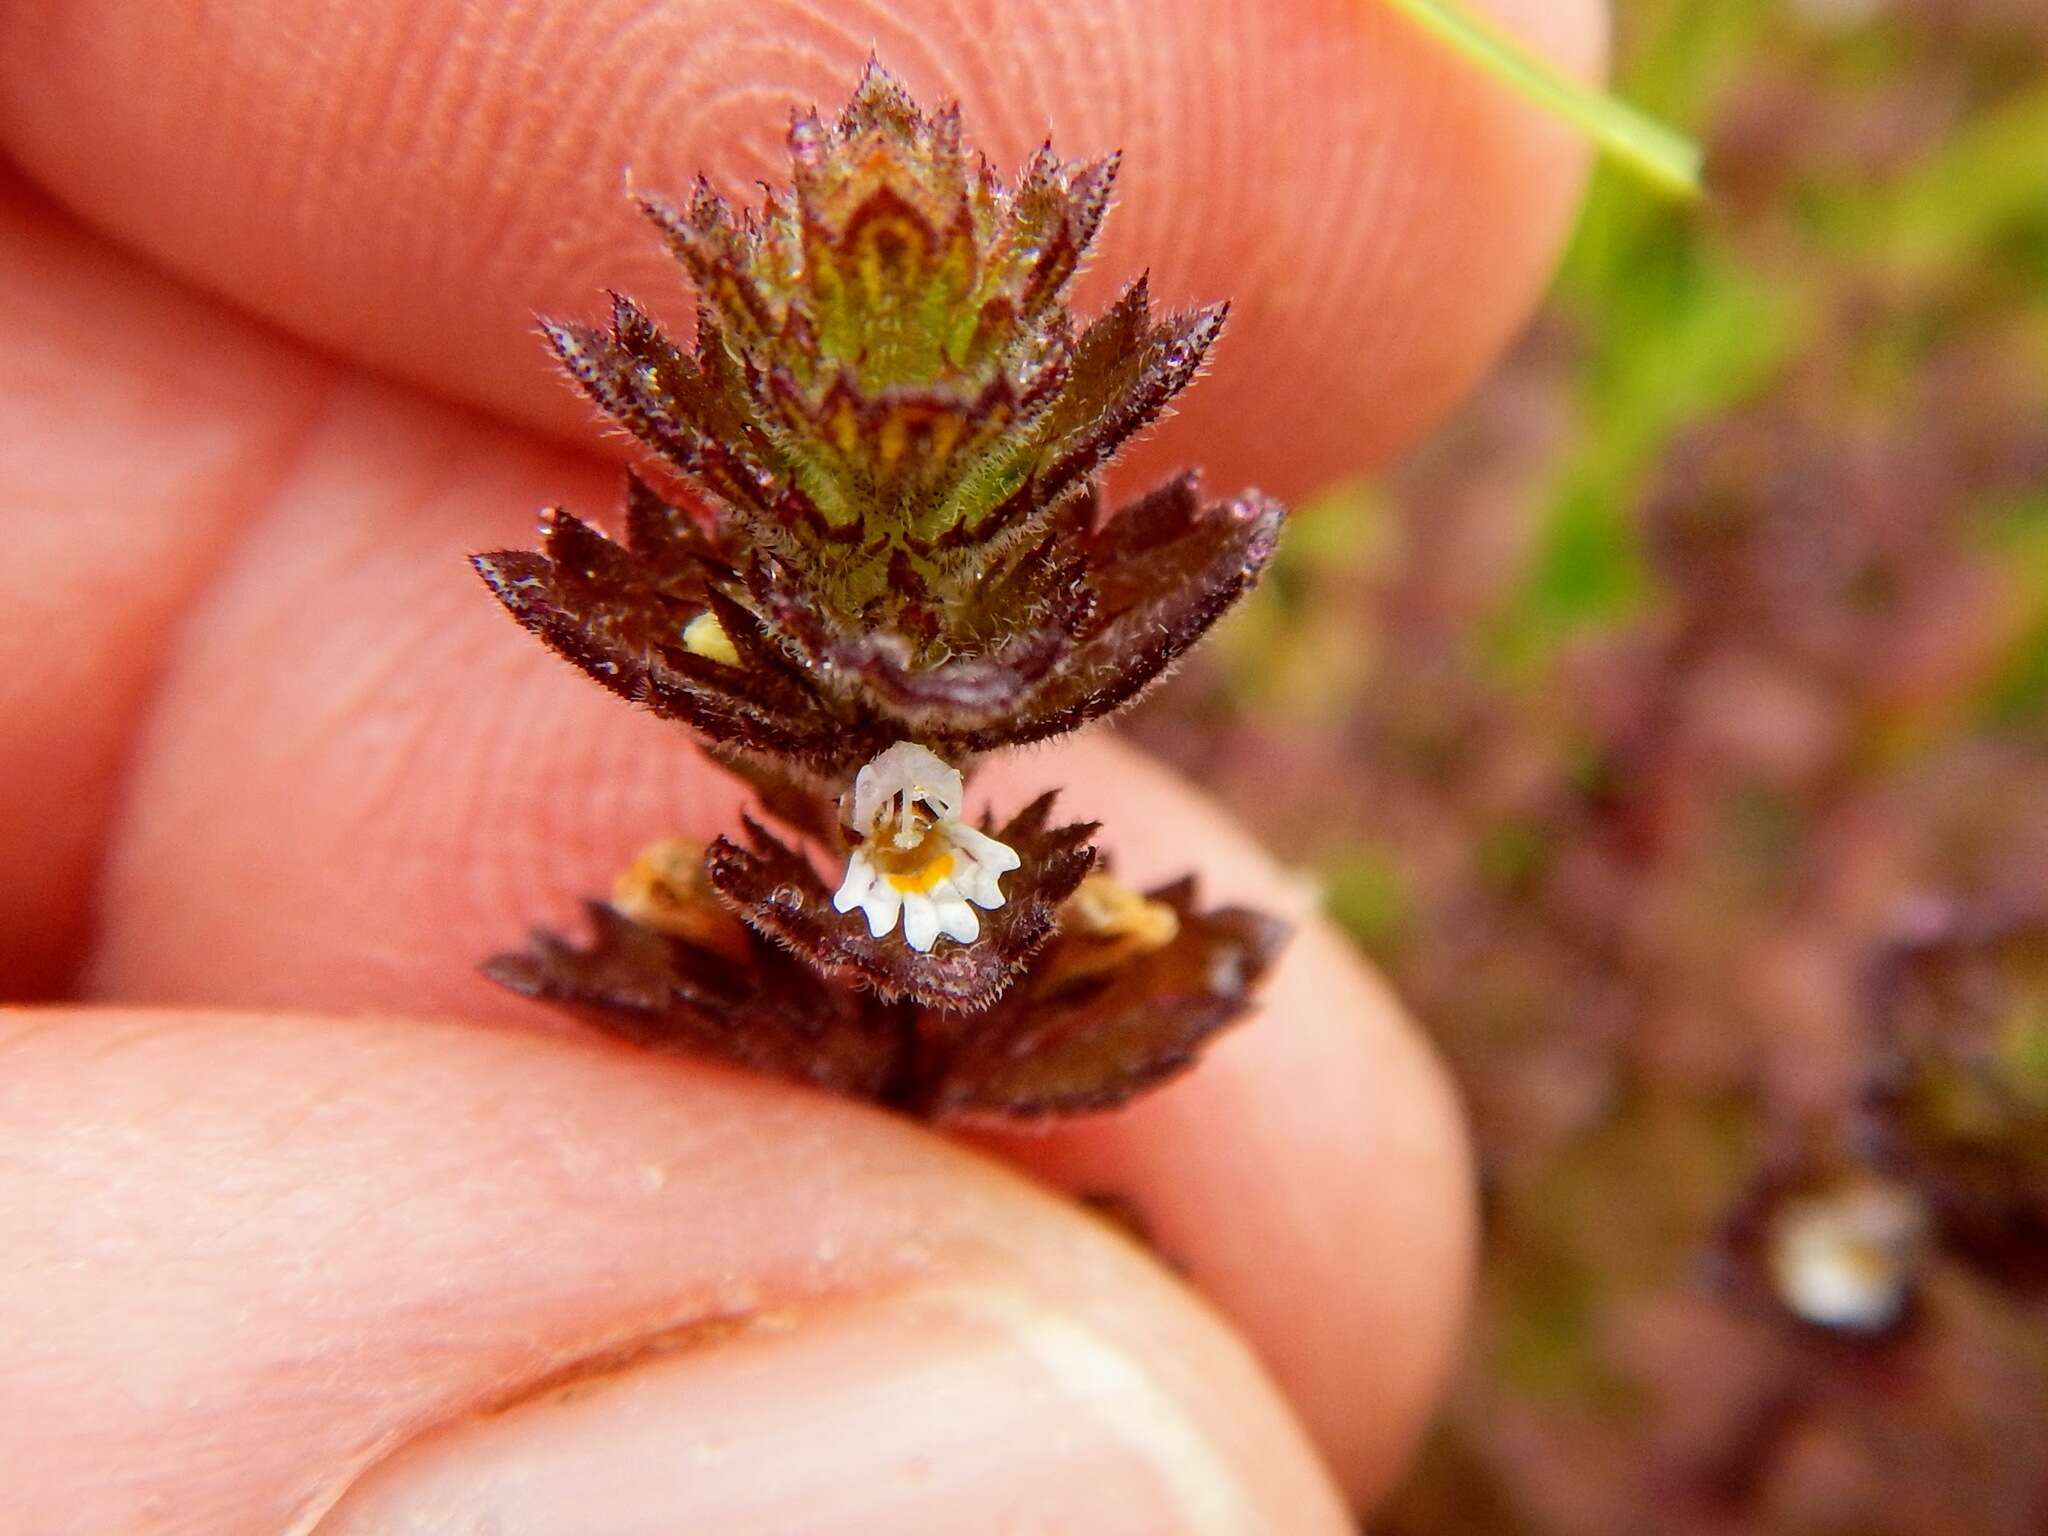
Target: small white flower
917, 858
1847, 1258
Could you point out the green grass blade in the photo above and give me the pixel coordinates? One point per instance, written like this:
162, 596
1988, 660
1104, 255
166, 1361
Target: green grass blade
1664, 158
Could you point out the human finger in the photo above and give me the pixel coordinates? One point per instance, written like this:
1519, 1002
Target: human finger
286, 1273
139, 429
407, 183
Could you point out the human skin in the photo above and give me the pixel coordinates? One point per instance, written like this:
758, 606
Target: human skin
307, 1227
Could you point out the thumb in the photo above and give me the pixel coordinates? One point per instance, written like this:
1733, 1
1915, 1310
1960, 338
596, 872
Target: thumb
278, 1273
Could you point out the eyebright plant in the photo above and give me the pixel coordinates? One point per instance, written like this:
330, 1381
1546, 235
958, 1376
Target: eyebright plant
881, 553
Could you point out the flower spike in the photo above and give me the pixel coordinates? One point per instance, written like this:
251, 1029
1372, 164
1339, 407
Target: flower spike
885, 554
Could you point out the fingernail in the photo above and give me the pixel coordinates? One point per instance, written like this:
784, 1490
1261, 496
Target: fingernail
959, 1411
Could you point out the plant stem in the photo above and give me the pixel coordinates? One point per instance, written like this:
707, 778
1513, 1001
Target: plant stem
1663, 157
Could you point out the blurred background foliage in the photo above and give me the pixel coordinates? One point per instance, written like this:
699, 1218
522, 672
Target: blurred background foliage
1673, 730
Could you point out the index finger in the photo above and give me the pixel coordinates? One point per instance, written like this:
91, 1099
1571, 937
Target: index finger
407, 181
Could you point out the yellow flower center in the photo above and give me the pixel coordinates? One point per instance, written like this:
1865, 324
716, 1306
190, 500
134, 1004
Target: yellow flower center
921, 878
910, 851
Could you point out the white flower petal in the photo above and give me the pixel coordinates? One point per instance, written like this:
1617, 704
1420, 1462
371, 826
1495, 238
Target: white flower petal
978, 882
860, 879
881, 905
920, 922
996, 857
957, 921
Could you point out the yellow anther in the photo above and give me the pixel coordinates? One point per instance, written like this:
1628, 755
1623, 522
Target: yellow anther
1105, 925
665, 889
705, 636
1104, 908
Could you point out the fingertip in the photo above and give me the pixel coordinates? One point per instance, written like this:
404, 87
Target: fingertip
1383, 213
